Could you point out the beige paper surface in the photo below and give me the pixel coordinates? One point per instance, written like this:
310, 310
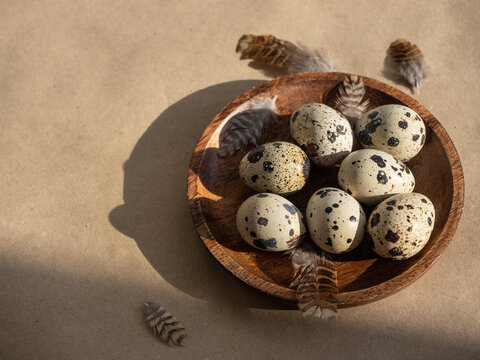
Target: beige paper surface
102, 103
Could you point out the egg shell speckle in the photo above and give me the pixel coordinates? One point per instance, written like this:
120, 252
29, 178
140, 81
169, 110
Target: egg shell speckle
322, 132
371, 175
395, 129
336, 221
278, 167
270, 222
401, 225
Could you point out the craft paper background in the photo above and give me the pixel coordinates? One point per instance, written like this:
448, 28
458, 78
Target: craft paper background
101, 105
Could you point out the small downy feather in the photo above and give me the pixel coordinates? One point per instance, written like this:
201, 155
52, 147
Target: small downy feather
408, 60
269, 50
305, 59
246, 127
164, 324
349, 98
315, 277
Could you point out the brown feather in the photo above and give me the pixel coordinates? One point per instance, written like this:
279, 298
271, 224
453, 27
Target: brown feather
349, 101
315, 277
164, 324
402, 51
269, 50
349, 98
408, 60
266, 49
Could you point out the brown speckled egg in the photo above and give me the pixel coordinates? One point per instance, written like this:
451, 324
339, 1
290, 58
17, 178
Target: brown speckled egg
322, 132
336, 221
401, 225
395, 129
278, 167
372, 175
270, 222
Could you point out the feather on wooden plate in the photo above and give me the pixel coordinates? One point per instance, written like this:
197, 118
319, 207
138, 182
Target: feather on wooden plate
215, 192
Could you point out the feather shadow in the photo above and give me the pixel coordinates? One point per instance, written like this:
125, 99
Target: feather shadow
267, 70
389, 72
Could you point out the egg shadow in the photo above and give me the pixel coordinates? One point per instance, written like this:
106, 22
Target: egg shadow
155, 212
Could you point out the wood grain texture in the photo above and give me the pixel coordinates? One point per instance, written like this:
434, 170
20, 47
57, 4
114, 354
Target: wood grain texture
215, 192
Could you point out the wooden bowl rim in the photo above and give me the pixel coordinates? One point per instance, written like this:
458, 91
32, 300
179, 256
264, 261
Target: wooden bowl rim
351, 298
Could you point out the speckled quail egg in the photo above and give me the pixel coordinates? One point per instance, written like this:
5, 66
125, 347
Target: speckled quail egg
322, 132
278, 167
270, 222
395, 129
401, 225
336, 221
371, 175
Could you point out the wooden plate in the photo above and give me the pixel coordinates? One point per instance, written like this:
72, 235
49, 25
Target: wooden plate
215, 192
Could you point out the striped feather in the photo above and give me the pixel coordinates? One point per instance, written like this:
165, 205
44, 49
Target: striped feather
164, 324
315, 278
402, 51
408, 60
269, 50
349, 98
266, 49
246, 127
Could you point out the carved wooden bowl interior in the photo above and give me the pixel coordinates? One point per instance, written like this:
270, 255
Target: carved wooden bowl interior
215, 193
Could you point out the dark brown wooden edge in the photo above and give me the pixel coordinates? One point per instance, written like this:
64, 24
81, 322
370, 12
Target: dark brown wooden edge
346, 299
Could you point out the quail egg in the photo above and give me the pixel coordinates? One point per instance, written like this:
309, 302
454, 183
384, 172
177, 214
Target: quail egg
270, 222
322, 132
371, 175
278, 167
401, 225
395, 129
336, 221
